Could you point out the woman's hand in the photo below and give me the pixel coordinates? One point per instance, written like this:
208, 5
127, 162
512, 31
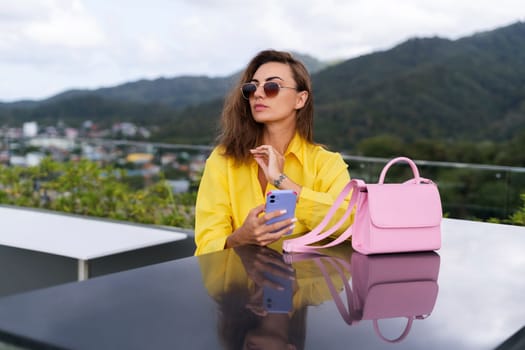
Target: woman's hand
272, 164
254, 230
260, 263
270, 161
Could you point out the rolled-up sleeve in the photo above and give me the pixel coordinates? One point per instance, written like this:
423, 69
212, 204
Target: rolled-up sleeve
213, 212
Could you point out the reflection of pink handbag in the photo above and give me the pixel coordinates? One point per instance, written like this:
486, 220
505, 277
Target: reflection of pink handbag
390, 218
383, 286
395, 285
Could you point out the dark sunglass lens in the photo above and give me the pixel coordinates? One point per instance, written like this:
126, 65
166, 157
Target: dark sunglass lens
271, 89
248, 90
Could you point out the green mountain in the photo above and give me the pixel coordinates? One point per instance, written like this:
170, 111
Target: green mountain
469, 89
178, 92
144, 101
472, 88
174, 92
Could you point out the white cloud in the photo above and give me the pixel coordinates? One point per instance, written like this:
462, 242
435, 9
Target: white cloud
67, 24
45, 39
51, 24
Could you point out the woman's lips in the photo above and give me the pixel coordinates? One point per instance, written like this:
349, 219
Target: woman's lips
259, 107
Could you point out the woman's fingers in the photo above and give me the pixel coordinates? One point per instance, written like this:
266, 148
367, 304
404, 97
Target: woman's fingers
258, 231
262, 164
257, 210
266, 152
270, 160
284, 225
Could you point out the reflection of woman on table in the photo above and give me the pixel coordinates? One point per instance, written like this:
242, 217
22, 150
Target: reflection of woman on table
235, 279
266, 142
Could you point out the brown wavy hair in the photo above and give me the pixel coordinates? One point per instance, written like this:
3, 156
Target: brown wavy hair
239, 132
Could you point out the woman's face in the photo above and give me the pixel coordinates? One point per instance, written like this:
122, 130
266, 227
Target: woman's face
263, 343
260, 339
284, 105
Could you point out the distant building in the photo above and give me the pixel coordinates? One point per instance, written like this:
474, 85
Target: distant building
53, 142
4, 156
168, 158
30, 129
71, 133
34, 158
14, 133
30, 159
179, 186
139, 158
17, 160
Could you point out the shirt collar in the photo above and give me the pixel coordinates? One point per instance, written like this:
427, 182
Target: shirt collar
296, 147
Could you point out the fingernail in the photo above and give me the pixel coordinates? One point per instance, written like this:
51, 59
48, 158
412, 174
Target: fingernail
294, 220
292, 226
283, 211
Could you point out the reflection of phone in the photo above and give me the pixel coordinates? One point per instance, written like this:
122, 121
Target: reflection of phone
279, 200
275, 300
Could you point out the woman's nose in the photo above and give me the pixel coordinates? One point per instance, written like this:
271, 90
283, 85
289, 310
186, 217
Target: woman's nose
259, 91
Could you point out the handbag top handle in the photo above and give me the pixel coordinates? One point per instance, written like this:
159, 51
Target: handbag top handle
410, 162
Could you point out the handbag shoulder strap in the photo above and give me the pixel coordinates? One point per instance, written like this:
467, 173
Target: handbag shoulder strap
341, 266
345, 311
303, 243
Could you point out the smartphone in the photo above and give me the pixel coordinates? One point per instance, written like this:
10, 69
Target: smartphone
279, 200
275, 300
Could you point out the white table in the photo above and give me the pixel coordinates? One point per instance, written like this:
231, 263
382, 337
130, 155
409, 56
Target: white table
77, 237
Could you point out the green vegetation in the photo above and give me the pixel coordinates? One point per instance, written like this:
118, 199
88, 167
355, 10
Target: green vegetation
487, 152
518, 218
85, 188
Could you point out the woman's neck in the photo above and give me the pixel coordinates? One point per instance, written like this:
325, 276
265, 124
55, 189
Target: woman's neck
278, 136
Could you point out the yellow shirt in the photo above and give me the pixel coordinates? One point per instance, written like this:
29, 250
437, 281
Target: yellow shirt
227, 192
222, 272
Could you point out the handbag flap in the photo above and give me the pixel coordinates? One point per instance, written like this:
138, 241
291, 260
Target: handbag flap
404, 205
389, 268
389, 300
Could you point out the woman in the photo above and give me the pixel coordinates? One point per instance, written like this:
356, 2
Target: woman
265, 143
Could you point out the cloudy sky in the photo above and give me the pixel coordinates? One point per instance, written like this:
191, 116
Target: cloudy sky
48, 46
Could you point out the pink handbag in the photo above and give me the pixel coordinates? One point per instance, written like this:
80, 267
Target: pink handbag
390, 218
382, 286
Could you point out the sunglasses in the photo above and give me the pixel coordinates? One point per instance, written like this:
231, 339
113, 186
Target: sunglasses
271, 89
